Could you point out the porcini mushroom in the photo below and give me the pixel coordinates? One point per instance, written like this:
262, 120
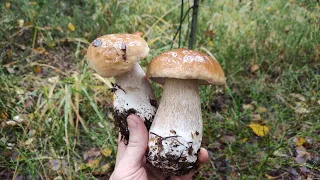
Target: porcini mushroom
117, 55
176, 132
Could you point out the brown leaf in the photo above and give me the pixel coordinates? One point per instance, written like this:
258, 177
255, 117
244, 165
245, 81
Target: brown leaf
298, 96
302, 155
254, 68
55, 164
93, 152
228, 139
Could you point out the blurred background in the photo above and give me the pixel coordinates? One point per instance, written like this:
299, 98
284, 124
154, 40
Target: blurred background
56, 113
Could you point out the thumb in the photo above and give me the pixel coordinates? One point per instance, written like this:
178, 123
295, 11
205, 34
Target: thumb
138, 141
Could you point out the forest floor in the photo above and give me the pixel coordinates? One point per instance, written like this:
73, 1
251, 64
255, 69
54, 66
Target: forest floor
56, 113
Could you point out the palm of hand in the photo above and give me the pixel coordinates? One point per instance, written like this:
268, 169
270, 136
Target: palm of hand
131, 161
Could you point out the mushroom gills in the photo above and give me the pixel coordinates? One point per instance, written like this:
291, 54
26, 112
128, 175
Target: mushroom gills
133, 95
176, 132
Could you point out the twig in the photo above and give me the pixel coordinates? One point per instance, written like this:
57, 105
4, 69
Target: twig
195, 8
179, 29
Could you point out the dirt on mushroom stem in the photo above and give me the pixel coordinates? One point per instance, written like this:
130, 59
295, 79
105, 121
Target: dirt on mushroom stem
133, 95
176, 133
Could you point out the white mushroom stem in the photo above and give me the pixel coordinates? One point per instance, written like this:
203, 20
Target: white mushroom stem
176, 132
133, 95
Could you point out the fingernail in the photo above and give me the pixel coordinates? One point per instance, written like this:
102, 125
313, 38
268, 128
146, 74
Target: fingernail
132, 124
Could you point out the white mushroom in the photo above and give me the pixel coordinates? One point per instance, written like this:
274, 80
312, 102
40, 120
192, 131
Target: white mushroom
176, 132
117, 55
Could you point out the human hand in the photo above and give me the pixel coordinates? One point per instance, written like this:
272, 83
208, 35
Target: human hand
131, 161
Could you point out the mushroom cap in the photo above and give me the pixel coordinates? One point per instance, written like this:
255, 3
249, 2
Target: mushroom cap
114, 54
186, 64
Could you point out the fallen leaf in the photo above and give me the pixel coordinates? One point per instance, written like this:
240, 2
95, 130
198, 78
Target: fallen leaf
40, 50
28, 142
93, 163
270, 177
55, 164
53, 80
3, 114
92, 153
106, 152
302, 155
32, 3
11, 123
20, 22
247, 106
298, 96
258, 129
301, 108
211, 43
36, 69
228, 139
59, 28
262, 109
8, 5
254, 68
244, 140
300, 141
71, 26
105, 167
10, 70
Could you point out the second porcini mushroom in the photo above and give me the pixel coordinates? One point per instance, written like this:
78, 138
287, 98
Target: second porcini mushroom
117, 55
176, 132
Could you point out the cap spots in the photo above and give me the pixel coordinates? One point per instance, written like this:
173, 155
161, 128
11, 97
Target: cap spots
189, 59
97, 43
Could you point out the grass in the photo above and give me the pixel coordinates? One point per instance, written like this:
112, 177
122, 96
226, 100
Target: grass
64, 110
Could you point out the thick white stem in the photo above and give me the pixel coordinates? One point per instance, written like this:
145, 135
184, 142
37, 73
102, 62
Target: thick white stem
133, 95
176, 133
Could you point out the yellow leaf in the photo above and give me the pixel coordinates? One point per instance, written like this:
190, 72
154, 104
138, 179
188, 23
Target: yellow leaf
258, 129
32, 3
82, 166
93, 163
20, 22
270, 177
3, 114
59, 28
106, 152
71, 26
8, 5
210, 43
300, 141
244, 140
262, 109
105, 167
268, 9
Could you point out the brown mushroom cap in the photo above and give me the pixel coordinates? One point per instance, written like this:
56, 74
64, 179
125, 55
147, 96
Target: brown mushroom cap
186, 64
114, 54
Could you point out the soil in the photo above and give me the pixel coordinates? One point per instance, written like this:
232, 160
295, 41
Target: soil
121, 122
